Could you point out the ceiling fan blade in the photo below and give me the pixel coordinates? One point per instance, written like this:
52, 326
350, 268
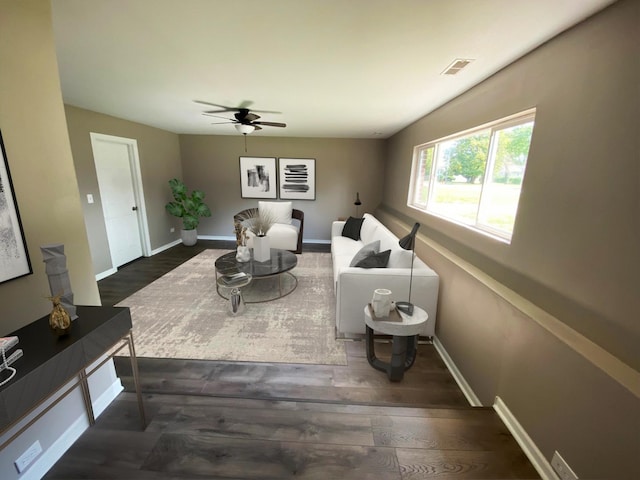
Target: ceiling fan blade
270, 124
256, 127
226, 109
217, 116
251, 117
222, 123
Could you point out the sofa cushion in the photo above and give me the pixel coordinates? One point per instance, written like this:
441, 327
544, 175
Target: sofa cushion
279, 211
376, 260
368, 232
368, 249
352, 228
400, 258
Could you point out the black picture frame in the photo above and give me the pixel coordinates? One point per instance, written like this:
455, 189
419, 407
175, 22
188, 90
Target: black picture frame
297, 178
14, 256
258, 177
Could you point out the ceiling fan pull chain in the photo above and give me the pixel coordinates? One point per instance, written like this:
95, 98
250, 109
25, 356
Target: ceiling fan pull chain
245, 142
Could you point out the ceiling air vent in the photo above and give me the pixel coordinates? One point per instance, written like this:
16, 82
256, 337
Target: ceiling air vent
457, 65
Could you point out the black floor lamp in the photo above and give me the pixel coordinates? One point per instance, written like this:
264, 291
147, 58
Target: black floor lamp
408, 243
357, 203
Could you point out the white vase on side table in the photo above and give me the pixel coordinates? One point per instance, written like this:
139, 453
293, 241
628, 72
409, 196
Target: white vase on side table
261, 249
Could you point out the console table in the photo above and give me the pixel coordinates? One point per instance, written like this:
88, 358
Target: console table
50, 362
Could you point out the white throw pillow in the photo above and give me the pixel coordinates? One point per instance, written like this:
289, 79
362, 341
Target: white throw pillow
279, 211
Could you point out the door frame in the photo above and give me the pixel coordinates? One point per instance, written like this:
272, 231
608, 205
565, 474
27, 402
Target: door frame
138, 191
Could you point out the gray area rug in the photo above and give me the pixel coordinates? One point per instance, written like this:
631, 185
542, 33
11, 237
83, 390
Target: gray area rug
180, 315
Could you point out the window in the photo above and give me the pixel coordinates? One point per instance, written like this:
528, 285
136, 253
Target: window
474, 177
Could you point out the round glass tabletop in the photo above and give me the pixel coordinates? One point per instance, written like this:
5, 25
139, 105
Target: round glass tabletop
281, 261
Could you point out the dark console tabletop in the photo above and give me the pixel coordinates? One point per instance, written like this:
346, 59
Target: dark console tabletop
49, 361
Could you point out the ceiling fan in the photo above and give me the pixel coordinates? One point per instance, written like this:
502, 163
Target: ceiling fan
245, 120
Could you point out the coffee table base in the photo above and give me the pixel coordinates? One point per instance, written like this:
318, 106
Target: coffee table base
284, 288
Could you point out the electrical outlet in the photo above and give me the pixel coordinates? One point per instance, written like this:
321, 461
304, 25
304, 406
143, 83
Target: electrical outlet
28, 457
171, 230
562, 468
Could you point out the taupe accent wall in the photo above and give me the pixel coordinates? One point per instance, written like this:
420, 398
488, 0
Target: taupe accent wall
575, 252
159, 155
575, 248
37, 144
343, 167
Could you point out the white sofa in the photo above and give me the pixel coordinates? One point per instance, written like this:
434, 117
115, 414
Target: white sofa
354, 286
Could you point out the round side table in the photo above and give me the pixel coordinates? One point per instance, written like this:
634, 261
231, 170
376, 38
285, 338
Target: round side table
236, 303
404, 342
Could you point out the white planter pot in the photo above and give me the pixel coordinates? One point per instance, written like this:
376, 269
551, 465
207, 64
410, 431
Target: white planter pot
261, 249
189, 237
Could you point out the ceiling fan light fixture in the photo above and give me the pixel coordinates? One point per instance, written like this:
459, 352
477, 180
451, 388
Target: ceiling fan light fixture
244, 129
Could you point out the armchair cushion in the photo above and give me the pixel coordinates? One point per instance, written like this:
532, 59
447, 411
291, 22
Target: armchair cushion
279, 211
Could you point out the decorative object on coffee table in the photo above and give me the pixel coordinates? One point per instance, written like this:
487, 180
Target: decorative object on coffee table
188, 207
243, 253
408, 243
259, 224
56, 269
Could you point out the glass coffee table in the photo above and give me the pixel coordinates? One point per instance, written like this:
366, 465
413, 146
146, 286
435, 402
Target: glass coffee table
271, 280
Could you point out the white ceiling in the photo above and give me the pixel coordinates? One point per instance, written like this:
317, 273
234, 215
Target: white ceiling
334, 68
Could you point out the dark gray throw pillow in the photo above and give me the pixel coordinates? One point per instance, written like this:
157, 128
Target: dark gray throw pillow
352, 228
377, 260
368, 249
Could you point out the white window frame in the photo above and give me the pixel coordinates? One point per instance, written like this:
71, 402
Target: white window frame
416, 180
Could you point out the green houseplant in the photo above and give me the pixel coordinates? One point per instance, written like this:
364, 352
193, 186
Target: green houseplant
188, 207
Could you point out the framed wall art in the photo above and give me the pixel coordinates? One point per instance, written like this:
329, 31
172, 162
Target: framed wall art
14, 257
258, 177
297, 178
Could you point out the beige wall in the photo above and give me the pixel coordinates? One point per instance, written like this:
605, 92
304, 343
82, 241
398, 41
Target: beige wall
37, 144
575, 251
159, 154
575, 244
343, 166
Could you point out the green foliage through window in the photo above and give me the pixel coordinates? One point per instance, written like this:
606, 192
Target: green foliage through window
475, 177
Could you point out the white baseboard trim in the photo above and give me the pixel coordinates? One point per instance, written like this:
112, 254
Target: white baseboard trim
217, 237
530, 449
473, 400
52, 454
166, 247
318, 241
105, 274
109, 395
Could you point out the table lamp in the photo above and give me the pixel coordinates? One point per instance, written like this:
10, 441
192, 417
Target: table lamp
408, 243
357, 203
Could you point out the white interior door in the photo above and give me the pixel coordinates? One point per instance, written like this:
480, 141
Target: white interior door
117, 171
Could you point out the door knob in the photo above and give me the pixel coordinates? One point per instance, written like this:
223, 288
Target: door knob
134, 208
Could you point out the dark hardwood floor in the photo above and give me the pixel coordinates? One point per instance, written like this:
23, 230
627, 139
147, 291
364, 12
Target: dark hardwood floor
243, 420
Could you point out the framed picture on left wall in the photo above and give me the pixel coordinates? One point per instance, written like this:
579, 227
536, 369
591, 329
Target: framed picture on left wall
258, 177
14, 257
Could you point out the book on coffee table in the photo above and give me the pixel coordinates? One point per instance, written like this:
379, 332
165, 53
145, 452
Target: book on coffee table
234, 279
394, 315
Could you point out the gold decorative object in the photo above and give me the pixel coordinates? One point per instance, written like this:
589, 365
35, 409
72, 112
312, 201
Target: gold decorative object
59, 320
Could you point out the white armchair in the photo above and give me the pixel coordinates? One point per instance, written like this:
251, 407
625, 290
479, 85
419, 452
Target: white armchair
286, 233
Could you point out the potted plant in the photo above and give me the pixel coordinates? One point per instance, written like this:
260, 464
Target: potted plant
188, 207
